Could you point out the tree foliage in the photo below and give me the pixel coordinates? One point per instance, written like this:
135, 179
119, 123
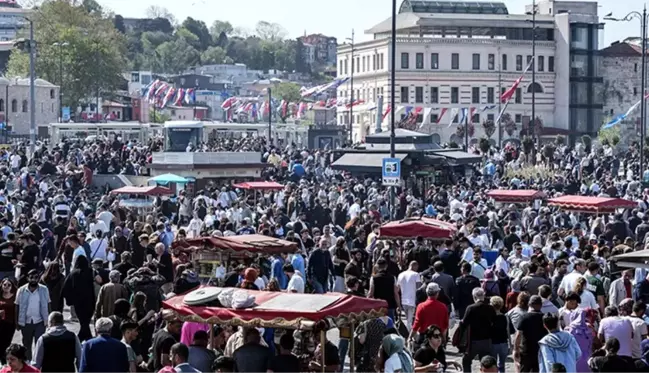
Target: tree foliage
91, 61
221, 43
287, 91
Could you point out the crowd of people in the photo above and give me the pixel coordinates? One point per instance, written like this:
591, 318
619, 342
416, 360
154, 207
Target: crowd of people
552, 301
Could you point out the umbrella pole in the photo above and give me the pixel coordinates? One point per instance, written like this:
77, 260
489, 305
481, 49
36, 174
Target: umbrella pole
352, 363
322, 350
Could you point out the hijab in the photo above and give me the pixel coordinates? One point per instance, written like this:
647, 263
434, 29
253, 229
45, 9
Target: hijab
394, 344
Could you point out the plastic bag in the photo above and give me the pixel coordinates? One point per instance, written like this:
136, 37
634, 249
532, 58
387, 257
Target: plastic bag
225, 297
241, 299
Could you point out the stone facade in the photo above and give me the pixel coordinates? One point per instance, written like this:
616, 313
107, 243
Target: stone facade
14, 103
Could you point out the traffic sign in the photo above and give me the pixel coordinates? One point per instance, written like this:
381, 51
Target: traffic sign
391, 171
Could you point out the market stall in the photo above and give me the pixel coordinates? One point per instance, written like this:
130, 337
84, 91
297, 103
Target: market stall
515, 196
140, 198
211, 252
258, 186
277, 310
427, 228
591, 205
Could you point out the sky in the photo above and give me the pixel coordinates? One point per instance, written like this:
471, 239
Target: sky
333, 17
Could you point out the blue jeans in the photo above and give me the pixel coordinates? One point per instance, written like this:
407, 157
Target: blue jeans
391, 314
320, 288
343, 346
500, 352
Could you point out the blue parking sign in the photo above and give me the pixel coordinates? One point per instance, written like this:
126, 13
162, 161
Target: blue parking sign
391, 171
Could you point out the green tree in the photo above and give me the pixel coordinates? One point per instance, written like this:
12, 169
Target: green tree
199, 29
287, 91
213, 55
175, 56
156, 116
270, 31
92, 61
219, 27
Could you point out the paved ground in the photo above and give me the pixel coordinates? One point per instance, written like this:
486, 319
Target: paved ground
451, 352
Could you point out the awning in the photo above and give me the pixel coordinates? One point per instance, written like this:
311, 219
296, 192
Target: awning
260, 185
515, 196
428, 228
458, 157
168, 178
363, 161
143, 191
591, 204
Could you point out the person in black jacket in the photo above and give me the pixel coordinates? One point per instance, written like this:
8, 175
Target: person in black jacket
478, 320
58, 350
465, 285
78, 291
320, 268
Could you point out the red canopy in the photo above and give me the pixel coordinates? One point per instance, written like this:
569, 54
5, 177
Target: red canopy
144, 191
260, 185
591, 204
515, 196
282, 310
418, 227
248, 244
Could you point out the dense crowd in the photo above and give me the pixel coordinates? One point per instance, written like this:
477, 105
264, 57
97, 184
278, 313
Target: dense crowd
552, 300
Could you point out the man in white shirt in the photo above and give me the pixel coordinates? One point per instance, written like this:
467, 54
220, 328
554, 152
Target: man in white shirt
355, 209
98, 225
98, 247
105, 216
295, 282
15, 163
408, 283
570, 280
478, 264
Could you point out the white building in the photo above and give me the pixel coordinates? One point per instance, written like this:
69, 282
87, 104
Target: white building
460, 55
137, 80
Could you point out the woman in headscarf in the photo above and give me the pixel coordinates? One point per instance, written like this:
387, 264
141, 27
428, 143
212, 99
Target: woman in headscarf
394, 356
48, 250
78, 291
53, 279
584, 335
249, 277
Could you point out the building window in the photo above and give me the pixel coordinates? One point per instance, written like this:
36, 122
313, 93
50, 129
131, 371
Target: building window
182, 81
135, 77
476, 61
534, 87
419, 61
518, 118
528, 60
381, 60
455, 61
374, 62
340, 68
14, 106
434, 61
434, 118
490, 95
25, 106
551, 64
635, 67
541, 63
502, 91
2, 105
491, 62
364, 63
519, 62
51, 93
404, 95
503, 65
490, 117
475, 95
519, 96
345, 73
358, 64
52, 107
419, 95
475, 118
434, 95
404, 61
635, 91
455, 95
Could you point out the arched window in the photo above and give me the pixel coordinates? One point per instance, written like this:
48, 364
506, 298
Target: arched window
14, 105
536, 87
436, 138
51, 93
2, 105
25, 106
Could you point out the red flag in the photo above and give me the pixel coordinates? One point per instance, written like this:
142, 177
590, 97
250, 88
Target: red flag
385, 114
508, 94
441, 115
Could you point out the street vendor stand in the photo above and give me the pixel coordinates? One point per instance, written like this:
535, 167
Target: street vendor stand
284, 311
211, 250
258, 186
427, 228
140, 198
591, 205
515, 195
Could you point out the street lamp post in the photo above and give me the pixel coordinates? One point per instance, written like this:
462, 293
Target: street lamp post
351, 97
533, 127
643, 109
393, 109
61, 45
32, 89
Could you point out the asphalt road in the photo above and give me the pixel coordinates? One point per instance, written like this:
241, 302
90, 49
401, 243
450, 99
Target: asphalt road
451, 352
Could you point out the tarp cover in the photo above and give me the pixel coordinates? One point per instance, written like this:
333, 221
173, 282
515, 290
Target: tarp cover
418, 227
271, 310
515, 196
249, 243
144, 191
591, 204
260, 185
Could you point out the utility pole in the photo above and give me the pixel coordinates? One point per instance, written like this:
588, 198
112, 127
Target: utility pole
393, 108
500, 88
533, 127
351, 97
270, 118
32, 89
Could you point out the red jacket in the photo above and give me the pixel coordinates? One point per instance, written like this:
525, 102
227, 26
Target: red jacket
431, 312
